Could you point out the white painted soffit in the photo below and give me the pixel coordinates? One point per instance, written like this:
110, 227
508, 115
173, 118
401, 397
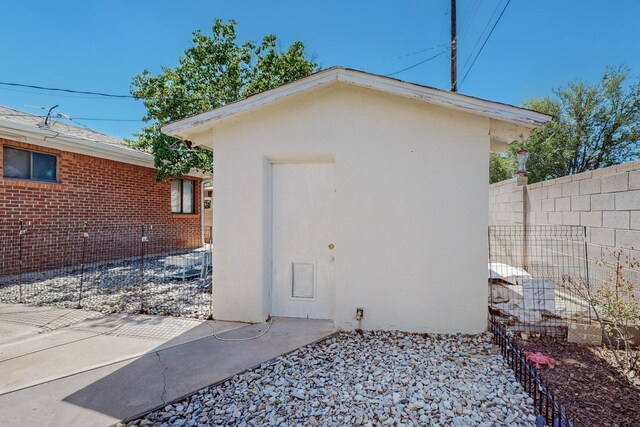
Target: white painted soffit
521, 117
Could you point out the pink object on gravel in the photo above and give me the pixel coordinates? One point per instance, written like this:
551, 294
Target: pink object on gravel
539, 359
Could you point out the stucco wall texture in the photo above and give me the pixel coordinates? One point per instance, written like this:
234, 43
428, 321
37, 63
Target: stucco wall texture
411, 207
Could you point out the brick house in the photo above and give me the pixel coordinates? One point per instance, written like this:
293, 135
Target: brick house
62, 176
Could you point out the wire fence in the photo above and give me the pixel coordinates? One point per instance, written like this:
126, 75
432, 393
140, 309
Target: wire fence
547, 407
535, 275
155, 269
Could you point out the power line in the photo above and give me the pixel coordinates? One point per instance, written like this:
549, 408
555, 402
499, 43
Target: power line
416, 64
75, 118
484, 30
485, 42
83, 92
110, 95
385, 61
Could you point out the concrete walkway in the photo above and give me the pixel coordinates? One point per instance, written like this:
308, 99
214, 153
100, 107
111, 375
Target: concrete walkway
72, 367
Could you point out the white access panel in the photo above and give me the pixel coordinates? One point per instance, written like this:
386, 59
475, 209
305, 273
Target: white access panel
302, 239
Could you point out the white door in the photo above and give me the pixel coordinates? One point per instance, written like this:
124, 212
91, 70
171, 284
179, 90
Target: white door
303, 232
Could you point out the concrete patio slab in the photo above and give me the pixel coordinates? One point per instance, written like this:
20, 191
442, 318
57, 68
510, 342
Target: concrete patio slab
167, 361
39, 355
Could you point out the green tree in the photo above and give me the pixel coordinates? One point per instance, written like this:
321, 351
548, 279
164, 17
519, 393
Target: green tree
215, 71
594, 126
501, 167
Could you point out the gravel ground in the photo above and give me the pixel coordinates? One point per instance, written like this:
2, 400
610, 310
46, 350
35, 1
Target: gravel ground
113, 287
381, 378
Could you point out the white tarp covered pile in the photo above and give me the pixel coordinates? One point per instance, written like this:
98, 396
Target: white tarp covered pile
520, 295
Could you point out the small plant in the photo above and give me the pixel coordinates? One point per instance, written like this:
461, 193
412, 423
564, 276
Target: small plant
616, 307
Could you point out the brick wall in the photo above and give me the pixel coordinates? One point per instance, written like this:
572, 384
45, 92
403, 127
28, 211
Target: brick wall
606, 201
106, 194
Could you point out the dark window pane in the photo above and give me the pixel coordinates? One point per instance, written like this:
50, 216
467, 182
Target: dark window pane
16, 163
44, 167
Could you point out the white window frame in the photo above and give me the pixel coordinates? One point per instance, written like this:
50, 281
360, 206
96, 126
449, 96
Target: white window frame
193, 197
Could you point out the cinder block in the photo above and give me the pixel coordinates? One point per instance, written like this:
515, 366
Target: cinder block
581, 203
537, 193
603, 236
604, 171
629, 239
584, 334
534, 205
615, 183
629, 166
635, 220
590, 186
548, 205
602, 202
581, 176
517, 218
517, 207
594, 252
634, 180
591, 219
554, 191
541, 218
628, 200
534, 185
571, 218
563, 204
555, 218
615, 219
570, 189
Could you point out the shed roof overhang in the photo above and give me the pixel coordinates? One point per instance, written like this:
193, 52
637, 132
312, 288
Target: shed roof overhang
508, 123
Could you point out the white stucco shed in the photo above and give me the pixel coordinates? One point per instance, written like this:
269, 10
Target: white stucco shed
347, 190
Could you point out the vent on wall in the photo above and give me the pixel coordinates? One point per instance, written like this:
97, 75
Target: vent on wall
303, 281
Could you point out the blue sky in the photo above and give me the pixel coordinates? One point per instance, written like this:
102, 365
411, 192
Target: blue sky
100, 45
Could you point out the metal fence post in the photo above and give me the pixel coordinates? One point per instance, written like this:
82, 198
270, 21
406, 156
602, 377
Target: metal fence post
143, 240
21, 232
85, 237
586, 265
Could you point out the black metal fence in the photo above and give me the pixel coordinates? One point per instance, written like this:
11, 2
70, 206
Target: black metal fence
155, 269
546, 405
535, 277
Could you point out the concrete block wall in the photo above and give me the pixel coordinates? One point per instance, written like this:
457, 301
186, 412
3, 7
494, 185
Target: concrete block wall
606, 201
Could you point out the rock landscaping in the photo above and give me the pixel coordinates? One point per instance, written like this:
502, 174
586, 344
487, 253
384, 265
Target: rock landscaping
113, 287
361, 378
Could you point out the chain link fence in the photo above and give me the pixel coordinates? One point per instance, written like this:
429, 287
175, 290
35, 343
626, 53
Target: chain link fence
129, 268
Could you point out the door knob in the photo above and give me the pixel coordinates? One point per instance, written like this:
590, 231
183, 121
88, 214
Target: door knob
331, 246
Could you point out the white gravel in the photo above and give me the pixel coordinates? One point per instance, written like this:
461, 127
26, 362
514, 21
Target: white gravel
382, 378
113, 287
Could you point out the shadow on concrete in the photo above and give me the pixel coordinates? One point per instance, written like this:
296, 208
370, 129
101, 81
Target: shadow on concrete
126, 390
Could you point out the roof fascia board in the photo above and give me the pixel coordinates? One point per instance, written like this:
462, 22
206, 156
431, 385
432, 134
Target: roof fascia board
526, 118
447, 99
194, 123
50, 139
